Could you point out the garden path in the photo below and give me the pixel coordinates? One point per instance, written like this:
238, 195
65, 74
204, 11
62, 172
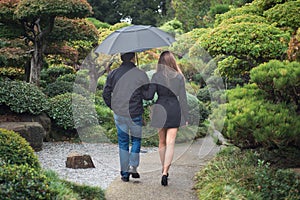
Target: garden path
188, 159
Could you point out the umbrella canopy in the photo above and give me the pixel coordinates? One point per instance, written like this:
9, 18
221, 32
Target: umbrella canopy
134, 38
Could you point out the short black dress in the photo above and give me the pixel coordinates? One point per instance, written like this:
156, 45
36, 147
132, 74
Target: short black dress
171, 109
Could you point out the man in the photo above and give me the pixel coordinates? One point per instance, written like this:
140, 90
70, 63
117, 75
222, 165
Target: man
123, 93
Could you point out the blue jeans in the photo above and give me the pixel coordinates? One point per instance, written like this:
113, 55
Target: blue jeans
129, 128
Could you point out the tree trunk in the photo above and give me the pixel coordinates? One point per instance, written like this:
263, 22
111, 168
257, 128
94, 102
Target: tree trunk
36, 63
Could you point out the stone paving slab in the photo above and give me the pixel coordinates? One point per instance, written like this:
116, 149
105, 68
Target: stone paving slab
188, 160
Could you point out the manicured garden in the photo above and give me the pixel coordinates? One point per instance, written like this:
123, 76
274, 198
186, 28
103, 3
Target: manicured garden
242, 67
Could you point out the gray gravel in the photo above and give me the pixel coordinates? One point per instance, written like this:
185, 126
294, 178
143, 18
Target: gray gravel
104, 155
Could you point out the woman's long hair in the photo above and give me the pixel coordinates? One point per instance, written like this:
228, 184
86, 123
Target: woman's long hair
168, 67
167, 59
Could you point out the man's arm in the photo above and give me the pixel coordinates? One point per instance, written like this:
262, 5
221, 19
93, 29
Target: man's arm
107, 91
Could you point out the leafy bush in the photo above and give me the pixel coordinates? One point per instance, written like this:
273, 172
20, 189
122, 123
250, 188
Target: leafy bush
62, 87
53, 72
252, 121
235, 174
279, 79
14, 149
98, 23
250, 41
12, 72
173, 27
285, 15
71, 111
23, 182
23, 97
251, 9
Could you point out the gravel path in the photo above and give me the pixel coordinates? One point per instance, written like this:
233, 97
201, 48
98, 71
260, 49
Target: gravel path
104, 155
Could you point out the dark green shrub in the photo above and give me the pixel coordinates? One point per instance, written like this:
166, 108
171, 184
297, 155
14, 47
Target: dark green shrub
285, 15
104, 114
276, 183
23, 182
252, 121
197, 110
67, 77
14, 149
62, 87
22, 97
281, 80
70, 111
251, 9
235, 174
12, 73
98, 23
53, 72
203, 95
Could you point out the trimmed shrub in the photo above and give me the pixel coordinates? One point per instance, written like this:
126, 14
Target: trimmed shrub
70, 111
235, 174
23, 182
281, 80
252, 121
53, 72
285, 15
14, 149
22, 97
62, 87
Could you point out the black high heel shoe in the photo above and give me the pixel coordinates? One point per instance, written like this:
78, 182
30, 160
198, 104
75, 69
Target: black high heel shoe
164, 180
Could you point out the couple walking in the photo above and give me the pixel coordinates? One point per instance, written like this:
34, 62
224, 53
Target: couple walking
124, 91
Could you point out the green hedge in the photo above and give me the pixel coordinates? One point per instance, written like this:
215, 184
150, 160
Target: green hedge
53, 72
62, 87
281, 80
235, 174
71, 110
253, 121
14, 149
22, 97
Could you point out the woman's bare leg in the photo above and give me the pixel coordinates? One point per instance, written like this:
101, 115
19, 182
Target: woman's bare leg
162, 145
169, 150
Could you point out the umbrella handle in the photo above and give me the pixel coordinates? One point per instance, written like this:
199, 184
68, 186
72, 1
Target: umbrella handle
137, 59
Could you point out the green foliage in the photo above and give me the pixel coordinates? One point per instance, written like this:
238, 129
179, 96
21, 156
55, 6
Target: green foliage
198, 113
185, 41
13, 53
62, 87
67, 190
53, 72
23, 182
252, 42
15, 150
173, 27
73, 30
267, 4
285, 15
251, 120
233, 69
98, 24
190, 13
248, 9
10, 31
218, 9
22, 97
281, 80
276, 184
32, 9
12, 73
71, 111
250, 18
234, 174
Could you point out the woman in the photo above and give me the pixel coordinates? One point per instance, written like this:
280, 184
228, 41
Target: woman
170, 110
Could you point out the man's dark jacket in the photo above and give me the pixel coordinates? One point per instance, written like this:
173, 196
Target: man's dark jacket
123, 91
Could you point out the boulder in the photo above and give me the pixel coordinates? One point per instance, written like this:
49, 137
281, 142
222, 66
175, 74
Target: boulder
79, 161
43, 119
33, 132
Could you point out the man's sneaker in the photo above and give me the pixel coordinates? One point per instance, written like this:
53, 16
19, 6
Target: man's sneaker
133, 172
125, 178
